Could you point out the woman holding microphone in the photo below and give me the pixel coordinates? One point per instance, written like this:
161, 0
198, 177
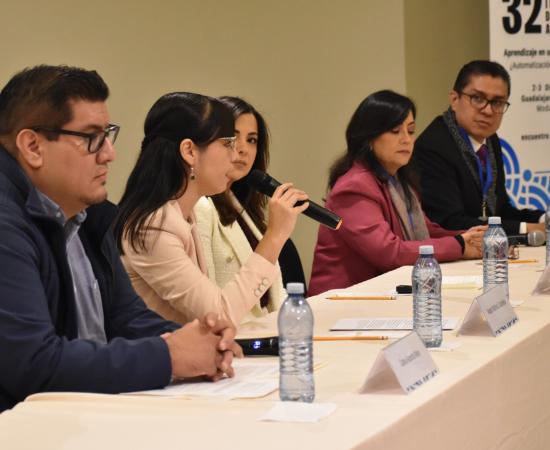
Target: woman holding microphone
187, 153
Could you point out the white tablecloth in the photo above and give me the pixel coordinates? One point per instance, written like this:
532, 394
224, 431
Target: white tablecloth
491, 393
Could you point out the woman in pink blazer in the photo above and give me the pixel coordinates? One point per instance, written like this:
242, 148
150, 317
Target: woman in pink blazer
372, 189
187, 153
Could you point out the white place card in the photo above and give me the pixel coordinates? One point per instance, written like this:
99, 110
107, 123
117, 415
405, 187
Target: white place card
405, 364
489, 309
543, 285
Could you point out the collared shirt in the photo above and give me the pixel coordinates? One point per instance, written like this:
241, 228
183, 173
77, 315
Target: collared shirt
476, 144
89, 308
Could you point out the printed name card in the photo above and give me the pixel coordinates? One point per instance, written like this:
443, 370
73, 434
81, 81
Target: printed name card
543, 284
405, 365
494, 308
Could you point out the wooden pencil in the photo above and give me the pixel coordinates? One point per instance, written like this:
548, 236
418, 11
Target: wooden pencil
350, 338
362, 297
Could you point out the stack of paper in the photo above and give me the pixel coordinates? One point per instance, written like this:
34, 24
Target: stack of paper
385, 323
252, 379
462, 282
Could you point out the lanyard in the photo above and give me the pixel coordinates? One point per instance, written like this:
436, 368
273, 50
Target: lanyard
485, 176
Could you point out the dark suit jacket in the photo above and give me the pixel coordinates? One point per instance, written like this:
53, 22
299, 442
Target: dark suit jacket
370, 241
39, 345
450, 194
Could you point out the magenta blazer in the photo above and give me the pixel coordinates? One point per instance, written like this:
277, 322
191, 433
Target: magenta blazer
370, 241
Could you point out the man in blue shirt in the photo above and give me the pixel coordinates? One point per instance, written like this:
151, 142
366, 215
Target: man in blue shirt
69, 318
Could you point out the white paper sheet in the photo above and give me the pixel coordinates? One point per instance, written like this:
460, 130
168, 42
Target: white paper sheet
462, 282
390, 334
252, 379
446, 346
385, 323
298, 412
360, 295
515, 303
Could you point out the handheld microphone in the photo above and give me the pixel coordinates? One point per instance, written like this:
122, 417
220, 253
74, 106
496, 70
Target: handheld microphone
534, 238
265, 184
268, 346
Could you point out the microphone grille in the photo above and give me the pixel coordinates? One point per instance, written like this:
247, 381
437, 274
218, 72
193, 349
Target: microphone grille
536, 238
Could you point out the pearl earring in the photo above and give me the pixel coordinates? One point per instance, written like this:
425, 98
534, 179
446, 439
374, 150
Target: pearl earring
192, 176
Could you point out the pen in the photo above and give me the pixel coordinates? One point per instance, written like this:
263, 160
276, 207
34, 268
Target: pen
362, 297
350, 338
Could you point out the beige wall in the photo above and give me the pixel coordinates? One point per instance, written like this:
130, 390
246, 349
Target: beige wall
305, 64
440, 37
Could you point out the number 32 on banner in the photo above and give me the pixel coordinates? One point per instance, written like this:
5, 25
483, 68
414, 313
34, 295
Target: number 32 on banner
513, 22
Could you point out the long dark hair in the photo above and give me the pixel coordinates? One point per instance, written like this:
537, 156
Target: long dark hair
378, 113
160, 173
252, 201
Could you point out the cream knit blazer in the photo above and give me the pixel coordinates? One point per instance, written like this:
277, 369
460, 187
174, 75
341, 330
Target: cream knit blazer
226, 250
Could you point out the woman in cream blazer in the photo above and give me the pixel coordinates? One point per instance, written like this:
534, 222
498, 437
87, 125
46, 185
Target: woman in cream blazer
230, 230
187, 153
226, 250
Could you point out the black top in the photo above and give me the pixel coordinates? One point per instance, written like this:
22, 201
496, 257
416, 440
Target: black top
291, 266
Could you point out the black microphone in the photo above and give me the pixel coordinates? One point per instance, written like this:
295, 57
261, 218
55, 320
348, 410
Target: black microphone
268, 346
265, 184
534, 238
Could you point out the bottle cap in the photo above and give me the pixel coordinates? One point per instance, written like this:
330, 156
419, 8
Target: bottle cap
494, 220
426, 250
295, 288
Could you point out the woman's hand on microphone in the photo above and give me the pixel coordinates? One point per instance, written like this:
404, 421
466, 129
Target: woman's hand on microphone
283, 214
282, 210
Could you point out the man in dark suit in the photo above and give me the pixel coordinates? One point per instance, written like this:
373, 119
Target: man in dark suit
459, 157
69, 318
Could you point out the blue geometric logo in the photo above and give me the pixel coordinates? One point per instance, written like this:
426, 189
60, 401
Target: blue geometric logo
527, 189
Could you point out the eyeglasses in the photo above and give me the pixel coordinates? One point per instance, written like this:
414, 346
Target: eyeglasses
95, 140
229, 142
479, 102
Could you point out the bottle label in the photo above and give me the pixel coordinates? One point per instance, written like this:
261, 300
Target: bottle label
495, 308
405, 365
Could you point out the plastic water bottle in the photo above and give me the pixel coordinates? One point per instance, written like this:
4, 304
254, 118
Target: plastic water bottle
426, 288
547, 219
495, 256
295, 324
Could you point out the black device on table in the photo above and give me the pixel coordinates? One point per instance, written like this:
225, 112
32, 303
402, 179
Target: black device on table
404, 289
266, 346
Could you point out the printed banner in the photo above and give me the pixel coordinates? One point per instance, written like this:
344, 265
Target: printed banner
520, 41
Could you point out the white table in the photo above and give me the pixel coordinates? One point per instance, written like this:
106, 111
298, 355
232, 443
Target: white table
491, 393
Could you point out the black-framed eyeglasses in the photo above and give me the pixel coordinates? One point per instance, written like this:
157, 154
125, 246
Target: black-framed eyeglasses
95, 140
480, 102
